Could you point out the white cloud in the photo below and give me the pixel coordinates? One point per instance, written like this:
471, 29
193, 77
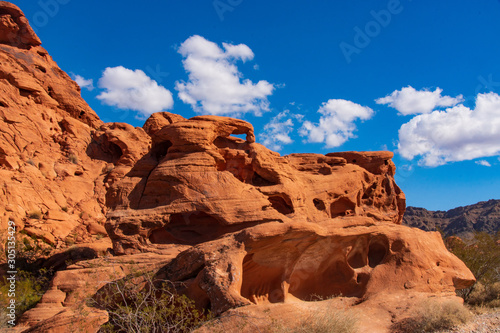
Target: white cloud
214, 84
410, 101
277, 131
336, 125
483, 163
456, 134
82, 82
133, 90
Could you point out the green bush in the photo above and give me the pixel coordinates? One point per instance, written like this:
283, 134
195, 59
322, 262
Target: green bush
481, 254
140, 304
29, 290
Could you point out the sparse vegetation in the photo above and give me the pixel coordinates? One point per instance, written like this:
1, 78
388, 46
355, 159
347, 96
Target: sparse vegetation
432, 315
139, 303
73, 158
325, 321
35, 214
481, 254
482, 295
30, 161
29, 290
31, 280
64, 209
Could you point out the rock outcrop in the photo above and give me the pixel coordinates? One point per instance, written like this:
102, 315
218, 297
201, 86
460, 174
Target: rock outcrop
198, 183
287, 262
234, 224
50, 187
461, 221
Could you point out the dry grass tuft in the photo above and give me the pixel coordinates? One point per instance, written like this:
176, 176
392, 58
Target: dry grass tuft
35, 214
329, 321
432, 315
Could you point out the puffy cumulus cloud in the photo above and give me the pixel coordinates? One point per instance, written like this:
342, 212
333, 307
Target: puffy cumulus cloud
277, 132
410, 101
455, 134
483, 163
214, 84
337, 122
82, 82
133, 90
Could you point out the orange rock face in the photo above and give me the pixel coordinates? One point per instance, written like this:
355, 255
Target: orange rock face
279, 262
197, 201
198, 183
49, 185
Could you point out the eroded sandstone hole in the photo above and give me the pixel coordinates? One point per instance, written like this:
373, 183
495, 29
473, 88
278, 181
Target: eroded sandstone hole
338, 268
160, 150
193, 228
282, 203
342, 207
188, 229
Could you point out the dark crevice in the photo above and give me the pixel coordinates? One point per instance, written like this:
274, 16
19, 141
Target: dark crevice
319, 204
50, 91
258, 180
160, 150
192, 228
41, 68
25, 92
377, 252
281, 204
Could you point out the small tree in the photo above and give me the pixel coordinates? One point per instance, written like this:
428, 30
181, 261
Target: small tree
481, 254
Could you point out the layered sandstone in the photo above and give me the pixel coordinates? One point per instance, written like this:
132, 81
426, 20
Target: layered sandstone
198, 183
50, 186
233, 223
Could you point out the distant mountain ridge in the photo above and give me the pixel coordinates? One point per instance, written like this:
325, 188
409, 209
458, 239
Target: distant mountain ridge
460, 221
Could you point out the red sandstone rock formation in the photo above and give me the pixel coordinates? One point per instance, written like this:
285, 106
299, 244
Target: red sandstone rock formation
198, 183
50, 186
237, 224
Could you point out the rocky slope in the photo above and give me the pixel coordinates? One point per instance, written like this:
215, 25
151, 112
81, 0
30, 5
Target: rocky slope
49, 185
460, 221
232, 223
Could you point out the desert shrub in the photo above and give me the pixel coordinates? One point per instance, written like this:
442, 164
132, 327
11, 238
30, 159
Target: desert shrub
433, 315
326, 321
35, 214
140, 304
64, 208
485, 295
30, 288
31, 280
481, 254
73, 158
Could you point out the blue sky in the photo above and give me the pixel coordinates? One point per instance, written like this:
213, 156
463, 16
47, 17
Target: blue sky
317, 76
